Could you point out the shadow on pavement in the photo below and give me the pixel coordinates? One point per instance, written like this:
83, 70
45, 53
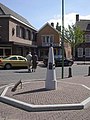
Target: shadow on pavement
22, 72
32, 91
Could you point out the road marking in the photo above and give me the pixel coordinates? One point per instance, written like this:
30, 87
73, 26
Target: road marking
86, 87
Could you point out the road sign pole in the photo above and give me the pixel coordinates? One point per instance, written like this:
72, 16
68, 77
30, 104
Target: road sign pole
62, 40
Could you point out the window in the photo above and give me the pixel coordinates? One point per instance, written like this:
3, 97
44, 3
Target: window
20, 58
20, 32
51, 39
80, 52
5, 51
87, 52
47, 39
13, 58
25, 33
34, 35
28, 34
87, 38
43, 39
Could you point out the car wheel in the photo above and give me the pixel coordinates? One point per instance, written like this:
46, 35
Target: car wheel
70, 64
8, 66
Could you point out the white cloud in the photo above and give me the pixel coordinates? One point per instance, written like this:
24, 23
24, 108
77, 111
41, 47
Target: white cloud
87, 17
69, 19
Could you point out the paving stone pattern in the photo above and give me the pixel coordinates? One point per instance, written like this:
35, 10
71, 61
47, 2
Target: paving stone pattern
8, 112
35, 93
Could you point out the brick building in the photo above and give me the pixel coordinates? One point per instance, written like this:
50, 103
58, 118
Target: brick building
49, 35
17, 35
83, 49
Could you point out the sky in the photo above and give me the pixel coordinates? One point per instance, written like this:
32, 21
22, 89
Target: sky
39, 12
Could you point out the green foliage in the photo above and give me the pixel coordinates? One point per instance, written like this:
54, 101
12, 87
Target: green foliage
74, 35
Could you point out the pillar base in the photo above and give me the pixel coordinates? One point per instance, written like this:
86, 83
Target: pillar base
52, 85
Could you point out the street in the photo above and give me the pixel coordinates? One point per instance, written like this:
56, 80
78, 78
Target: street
70, 90
12, 76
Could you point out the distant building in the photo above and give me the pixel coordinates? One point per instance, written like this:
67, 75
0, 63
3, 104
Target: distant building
17, 35
49, 35
83, 49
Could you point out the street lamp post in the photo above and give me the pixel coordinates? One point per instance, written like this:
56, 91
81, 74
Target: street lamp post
62, 40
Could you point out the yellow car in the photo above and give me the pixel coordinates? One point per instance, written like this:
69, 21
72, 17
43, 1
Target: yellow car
13, 61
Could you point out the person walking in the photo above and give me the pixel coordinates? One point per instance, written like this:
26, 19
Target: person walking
29, 61
34, 61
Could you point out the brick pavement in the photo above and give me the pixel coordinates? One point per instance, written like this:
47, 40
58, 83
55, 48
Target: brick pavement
35, 93
66, 93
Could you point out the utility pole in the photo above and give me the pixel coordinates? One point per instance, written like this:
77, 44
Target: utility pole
62, 40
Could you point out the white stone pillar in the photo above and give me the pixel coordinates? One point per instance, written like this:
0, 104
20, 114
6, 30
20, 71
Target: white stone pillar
51, 82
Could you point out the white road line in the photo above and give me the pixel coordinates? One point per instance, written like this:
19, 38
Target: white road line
5, 90
86, 87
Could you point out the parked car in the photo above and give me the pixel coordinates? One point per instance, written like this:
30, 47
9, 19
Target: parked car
13, 61
58, 61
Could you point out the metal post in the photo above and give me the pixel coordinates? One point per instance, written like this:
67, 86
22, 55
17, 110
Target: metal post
70, 72
89, 71
62, 39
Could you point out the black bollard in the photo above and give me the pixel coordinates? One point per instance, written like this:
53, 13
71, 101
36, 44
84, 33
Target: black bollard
89, 71
70, 72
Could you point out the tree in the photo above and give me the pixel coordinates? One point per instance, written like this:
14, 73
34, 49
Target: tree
74, 35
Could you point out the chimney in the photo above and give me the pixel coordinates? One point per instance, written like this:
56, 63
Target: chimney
52, 24
77, 17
